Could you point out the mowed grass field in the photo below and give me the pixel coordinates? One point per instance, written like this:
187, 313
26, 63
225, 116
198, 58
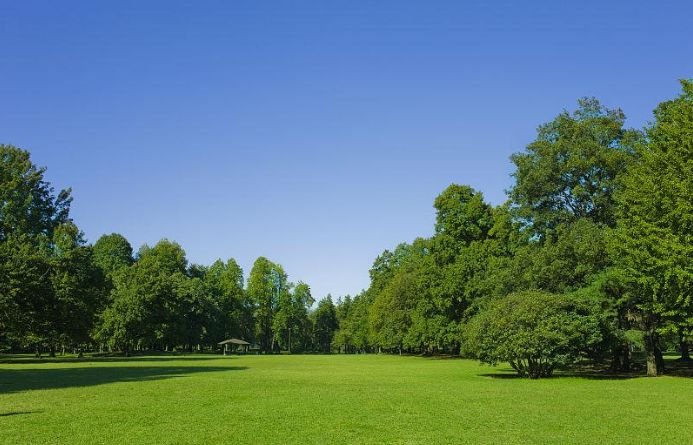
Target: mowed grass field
335, 399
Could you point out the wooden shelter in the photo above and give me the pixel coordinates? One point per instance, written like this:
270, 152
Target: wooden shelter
237, 345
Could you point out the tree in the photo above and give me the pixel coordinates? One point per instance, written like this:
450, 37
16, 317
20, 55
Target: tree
354, 332
324, 324
27, 202
386, 265
462, 216
26, 293
266, 283
451, 279
344, 337
112, 253
570, 259
149, 300
570, 171
30, 213
76, 285
535, 332
391, 312
233, 310
291, 319
192, 312
654, 240
611, 288
565, 197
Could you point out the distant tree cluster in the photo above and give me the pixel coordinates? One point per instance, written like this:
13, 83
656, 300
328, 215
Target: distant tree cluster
58, 292
591, 258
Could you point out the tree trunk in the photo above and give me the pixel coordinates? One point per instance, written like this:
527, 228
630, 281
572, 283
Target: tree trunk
659, 357
621, 357
684, 348
650, 347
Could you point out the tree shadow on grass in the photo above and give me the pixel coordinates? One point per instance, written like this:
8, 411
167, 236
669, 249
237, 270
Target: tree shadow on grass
18, 413
500, 375
18, 380
87, 359
558, 375
679, 368
585, 373
672, 369
441, 357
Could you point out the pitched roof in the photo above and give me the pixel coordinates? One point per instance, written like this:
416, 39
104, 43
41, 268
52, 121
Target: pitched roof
234, 341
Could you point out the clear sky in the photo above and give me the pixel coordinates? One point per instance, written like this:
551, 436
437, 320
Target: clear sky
314, 133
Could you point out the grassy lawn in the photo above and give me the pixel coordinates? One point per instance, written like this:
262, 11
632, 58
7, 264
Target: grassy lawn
328, 399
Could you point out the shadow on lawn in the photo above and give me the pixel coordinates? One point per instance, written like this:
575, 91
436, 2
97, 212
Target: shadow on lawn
442, 357
30, 360
674, 368
679, 368
511, 375
17, 380
18, 413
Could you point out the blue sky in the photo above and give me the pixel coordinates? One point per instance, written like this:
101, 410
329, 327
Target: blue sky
314, 133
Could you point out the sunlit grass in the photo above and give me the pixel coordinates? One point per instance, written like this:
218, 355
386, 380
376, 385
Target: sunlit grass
328, 399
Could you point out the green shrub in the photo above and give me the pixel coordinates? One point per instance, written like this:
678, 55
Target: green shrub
535, 332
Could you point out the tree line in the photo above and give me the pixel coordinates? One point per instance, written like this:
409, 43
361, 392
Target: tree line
590, 259
58, 292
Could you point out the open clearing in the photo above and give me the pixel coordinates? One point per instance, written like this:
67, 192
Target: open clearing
335, 399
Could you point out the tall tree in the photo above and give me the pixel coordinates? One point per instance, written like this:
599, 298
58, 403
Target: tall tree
655, 235
30, 212
570, 171
564, 196
28, 203
344, 337
291, 318
391, 312
148, 307
324, 324
233, 309
355, 328
266, 283
26, 293
77, 289
112, 253
462, 216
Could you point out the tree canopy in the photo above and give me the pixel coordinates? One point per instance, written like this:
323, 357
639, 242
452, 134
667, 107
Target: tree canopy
590, 258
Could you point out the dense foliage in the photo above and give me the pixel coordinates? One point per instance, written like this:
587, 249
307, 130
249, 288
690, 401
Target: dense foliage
598, 212
590, 258
56, 291
535, 332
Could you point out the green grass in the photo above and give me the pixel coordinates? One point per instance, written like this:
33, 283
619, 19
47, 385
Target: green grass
328, 400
